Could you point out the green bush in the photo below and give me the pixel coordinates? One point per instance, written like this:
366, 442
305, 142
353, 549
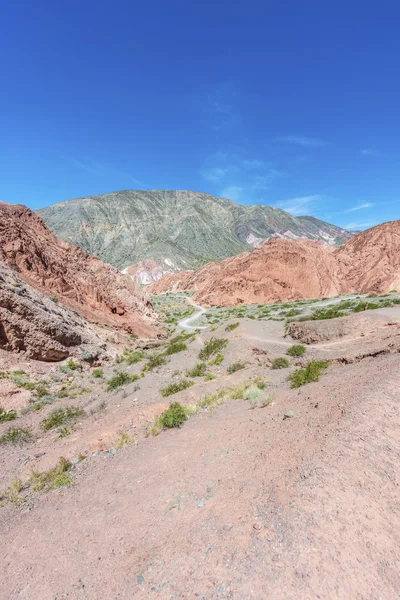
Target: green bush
16, 435
131, 357
97, 373
217, 360
198, 370
231, 326
7, 415
280, 363
296, 350
213, 346
61, 416
119, 379
174, 388
21, 379
154, 361
174, 416
311, 372
235, 367
175, 347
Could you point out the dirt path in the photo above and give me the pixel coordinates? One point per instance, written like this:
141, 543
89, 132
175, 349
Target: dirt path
187, 322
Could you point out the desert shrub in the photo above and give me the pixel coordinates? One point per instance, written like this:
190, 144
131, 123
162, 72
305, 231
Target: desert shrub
174, 388
211, 347
174, 416
123, 440
209, 377
331, 312
16, 435
53, 479
74, 366
217, 360
237, 366
198, 370
231, 326
260, 382
41, 391
211, 400
296, 350
131, 357
54, 298
280, 363
97, 373
21, 379
7, 415
61, 416
120, 378
309, 373
175, 347
238, 392
154, 361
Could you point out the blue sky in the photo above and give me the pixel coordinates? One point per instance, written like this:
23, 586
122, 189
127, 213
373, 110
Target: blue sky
292, 104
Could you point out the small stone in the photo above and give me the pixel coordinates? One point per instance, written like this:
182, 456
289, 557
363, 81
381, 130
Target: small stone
288, 414
200, 504
257, 526
75, 460
39, 454
139, 579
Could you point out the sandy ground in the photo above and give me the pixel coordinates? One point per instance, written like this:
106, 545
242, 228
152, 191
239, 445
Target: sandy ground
239, 503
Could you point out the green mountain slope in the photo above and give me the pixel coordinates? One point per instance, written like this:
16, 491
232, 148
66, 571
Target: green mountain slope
188, 228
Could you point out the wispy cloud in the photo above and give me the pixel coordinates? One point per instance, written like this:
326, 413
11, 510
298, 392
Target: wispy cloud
359, 207
358, 225
368, 152
238, 175
220, 107
302, 140
300, 205
95, 168
233, 192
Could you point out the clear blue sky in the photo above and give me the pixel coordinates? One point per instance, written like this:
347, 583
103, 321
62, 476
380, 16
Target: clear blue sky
288, 103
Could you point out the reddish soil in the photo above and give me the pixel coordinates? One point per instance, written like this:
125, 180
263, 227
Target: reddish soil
239, 503
98, 292
293, 270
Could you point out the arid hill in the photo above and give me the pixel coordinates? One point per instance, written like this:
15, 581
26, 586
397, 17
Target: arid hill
292, 270
97, 291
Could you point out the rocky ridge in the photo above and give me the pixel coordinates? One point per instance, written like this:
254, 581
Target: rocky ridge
293, 270
187, 229
98, 292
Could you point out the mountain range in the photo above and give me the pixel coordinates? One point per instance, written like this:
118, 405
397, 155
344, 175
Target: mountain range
293, 270
175, 230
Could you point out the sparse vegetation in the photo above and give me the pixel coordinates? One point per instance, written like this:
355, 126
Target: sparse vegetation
175, 347
7, 415
211, 347
97, 373
131, 357
174, 416
231, 326
61, 416
174, 388
123, 440
260, 382
217, 360
296, 350
311, 372
209, 377
16, 435
237, 366
280, 363
154, 361
55, 478
119, 379
198, 370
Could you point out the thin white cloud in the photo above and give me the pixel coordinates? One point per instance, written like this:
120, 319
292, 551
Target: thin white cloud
99, 170
300, 205
359, 207
233, 192
368, 152
88, 167
302, 140
358, 225
219, 107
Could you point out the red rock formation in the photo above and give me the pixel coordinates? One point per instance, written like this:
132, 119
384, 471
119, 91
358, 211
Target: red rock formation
370, 262
292, 270
97, 291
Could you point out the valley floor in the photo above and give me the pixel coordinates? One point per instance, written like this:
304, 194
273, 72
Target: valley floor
295, 498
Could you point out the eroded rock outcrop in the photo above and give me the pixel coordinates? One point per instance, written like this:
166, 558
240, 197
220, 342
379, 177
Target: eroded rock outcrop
32, 323
97, 291
293, 270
